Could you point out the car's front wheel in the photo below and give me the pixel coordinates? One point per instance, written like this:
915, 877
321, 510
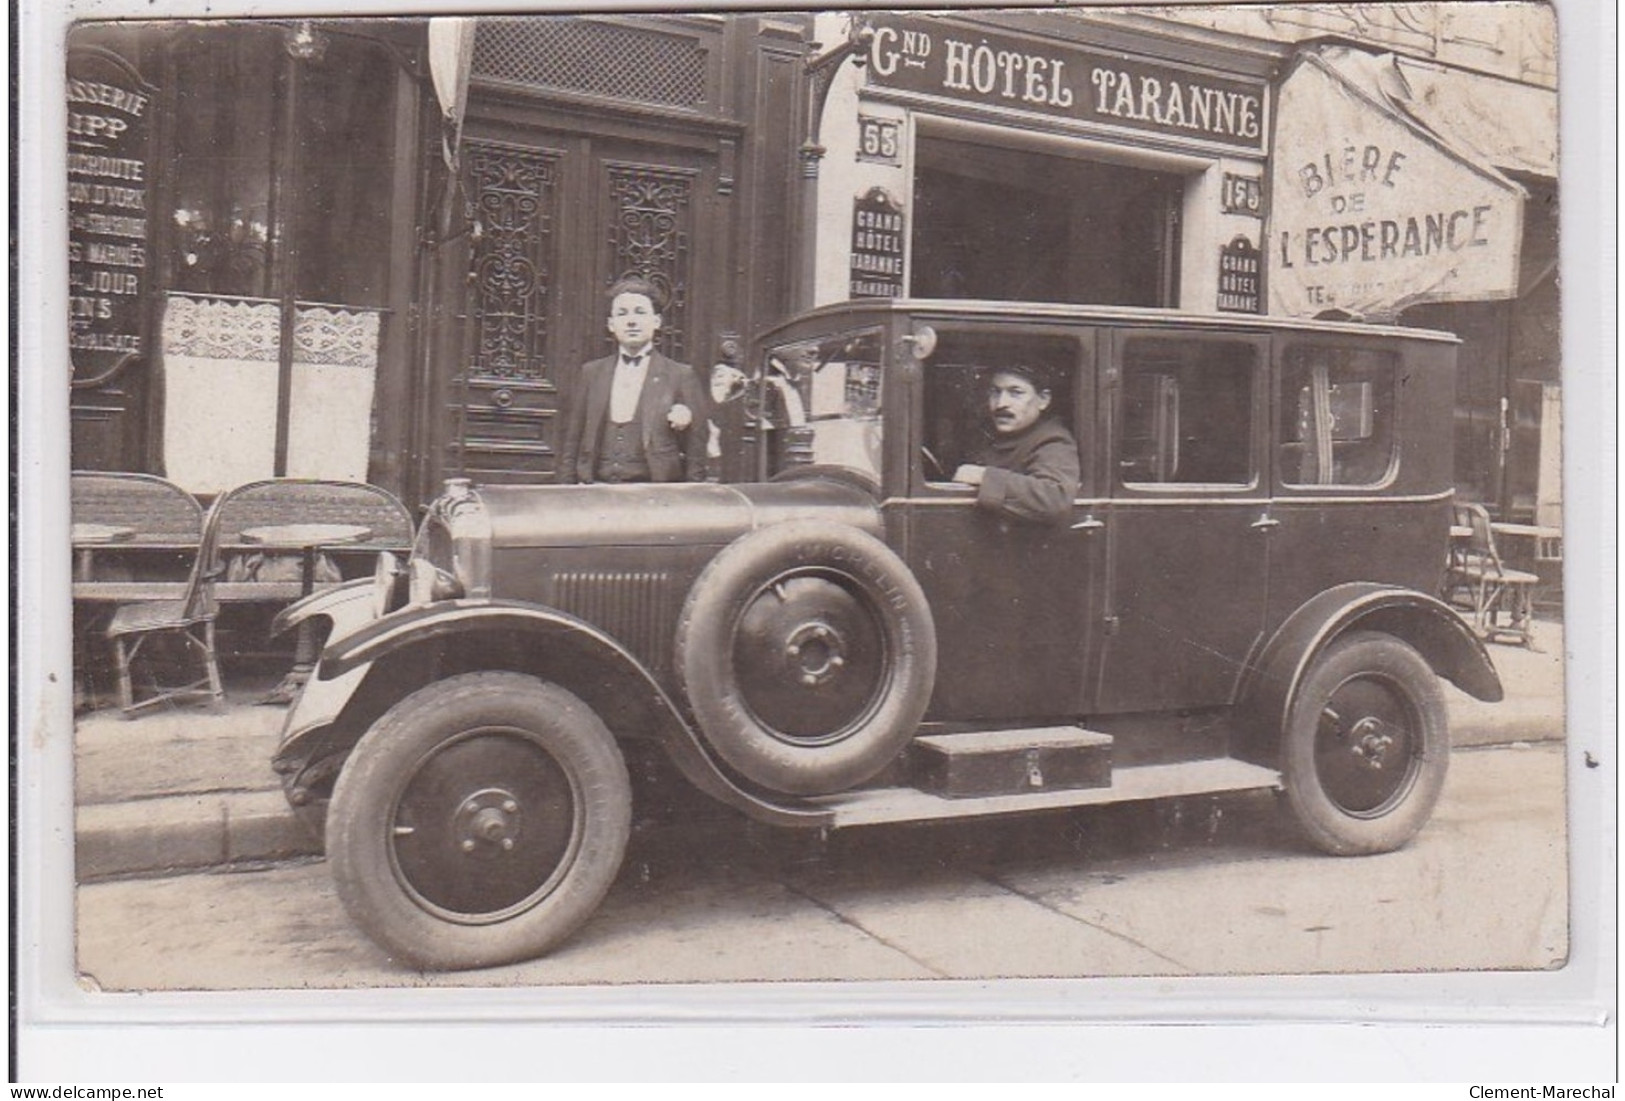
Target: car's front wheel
479, 822
1366, 747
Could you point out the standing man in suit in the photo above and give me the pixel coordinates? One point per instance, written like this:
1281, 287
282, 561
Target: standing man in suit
633, 414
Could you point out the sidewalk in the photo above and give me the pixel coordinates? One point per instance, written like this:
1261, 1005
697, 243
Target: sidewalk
189, 788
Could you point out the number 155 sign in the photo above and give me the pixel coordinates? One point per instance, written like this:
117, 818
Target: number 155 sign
1243, 195
879, 140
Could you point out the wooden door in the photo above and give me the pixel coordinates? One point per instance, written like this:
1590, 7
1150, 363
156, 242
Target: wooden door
559, 218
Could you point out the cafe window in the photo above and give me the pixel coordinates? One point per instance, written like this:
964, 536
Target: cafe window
1186, 412
1337, 416
230, 156
222, 163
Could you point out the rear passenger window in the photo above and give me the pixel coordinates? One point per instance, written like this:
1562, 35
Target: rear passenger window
1187, 412
1337, 416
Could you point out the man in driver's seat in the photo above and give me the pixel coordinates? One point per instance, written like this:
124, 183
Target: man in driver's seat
1029, 469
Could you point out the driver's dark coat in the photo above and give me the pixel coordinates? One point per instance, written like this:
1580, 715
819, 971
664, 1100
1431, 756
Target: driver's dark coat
1032, 475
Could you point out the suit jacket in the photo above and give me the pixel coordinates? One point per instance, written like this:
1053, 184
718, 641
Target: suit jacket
672, 455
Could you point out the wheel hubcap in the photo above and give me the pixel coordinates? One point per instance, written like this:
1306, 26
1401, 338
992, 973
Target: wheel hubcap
1367, 746
485, 827
488, 822
816, 653
809, 658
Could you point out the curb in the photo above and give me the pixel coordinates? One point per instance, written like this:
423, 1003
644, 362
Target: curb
179, 833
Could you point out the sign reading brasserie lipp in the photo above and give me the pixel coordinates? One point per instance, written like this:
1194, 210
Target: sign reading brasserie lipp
109, 120
1370, 213
920, 54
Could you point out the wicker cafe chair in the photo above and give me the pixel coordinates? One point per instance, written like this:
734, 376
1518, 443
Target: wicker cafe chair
279, 501
190, 617
150, 506
1501, 598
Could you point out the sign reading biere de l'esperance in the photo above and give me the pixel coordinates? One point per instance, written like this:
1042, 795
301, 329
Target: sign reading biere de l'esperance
1371, 214
933, 57
109, 124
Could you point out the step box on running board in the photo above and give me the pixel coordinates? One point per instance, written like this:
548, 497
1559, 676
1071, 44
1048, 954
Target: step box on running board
1011, 762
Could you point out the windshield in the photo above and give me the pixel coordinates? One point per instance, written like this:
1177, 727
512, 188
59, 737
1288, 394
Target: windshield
821, 403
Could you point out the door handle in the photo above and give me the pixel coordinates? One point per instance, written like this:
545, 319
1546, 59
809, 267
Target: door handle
1089, 523
1266, 522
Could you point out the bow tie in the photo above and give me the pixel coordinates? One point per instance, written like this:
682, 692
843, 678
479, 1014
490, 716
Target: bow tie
633, 361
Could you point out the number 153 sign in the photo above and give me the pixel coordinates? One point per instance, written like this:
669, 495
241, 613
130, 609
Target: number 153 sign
878, 140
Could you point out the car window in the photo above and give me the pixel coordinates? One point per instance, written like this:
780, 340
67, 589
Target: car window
1337, 416
823, 398
1187, 412
958, 373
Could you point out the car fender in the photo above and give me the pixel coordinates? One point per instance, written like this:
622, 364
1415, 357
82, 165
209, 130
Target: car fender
349, 606
1442, 637
557, 647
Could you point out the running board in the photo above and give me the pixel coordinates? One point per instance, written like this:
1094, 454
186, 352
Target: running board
875, 806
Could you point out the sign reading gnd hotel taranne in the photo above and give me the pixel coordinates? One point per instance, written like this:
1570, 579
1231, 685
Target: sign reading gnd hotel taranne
929, 57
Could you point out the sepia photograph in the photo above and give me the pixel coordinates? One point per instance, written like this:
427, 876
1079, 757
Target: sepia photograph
629, 501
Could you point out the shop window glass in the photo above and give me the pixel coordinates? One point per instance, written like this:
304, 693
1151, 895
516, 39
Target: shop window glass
346, 143
230, 153
1187, 412
222, 167
1337, 416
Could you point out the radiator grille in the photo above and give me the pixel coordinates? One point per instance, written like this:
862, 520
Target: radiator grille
634, 607
579, 55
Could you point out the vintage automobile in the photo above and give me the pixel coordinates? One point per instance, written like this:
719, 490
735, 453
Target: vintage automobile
1241, 598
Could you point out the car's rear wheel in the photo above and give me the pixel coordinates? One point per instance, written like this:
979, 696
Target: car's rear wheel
479, 822
808, 655
1367, 746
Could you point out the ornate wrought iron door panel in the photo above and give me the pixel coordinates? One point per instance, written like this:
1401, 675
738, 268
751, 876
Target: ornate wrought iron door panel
649, 234
504, 397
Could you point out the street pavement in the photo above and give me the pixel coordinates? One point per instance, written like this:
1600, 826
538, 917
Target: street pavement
194, 875
1114, 891
187, 788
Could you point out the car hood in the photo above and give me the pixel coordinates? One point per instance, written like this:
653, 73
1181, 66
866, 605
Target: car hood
667, 513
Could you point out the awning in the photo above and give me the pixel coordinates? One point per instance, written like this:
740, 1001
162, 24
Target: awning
451, 54
1387, 189
1512, 126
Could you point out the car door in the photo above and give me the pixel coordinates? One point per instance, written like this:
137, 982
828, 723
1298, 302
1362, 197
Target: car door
1187, 523
1014, 601
1362, 483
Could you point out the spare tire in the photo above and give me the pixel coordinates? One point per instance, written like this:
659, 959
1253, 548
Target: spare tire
807, 653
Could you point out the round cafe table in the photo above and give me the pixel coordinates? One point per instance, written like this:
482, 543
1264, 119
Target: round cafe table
308, 540
86, 538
